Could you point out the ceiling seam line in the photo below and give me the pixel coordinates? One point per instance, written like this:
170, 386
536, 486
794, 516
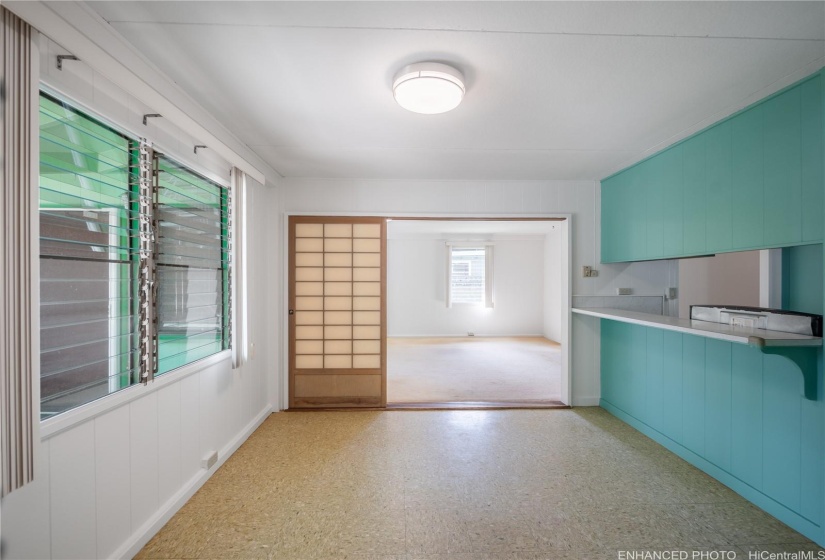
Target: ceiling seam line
479, 31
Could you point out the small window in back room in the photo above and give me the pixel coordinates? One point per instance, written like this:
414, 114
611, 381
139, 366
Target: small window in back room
469, 278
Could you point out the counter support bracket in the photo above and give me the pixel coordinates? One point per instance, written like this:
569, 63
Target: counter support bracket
805, 360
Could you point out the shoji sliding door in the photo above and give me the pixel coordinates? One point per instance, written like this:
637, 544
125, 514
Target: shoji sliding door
337, 312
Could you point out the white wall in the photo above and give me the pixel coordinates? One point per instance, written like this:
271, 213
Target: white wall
416, 298
500, 199
727, 278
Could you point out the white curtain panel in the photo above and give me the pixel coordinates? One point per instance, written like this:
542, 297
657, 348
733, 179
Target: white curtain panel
237, 294
18, 99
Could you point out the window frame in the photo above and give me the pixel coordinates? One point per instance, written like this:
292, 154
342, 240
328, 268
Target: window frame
487, 301
117, 385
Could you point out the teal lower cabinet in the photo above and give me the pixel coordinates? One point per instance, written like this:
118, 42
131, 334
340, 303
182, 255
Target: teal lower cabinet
744, 416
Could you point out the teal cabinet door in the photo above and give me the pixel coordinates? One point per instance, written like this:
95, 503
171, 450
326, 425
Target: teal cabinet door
654, 382
694, 196
746, 414
782, 436
637, 371
748, 189
609, 198
615, 220
718, 402
693, 393
672, 419
718, 183
812, 124
783, 181
672, 208
652, 174
636, 214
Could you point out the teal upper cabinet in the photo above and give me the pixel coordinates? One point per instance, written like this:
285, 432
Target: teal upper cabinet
695, 196
752, 181
810, 98
670, 172
748, 180
783, 178
718, 182
654, 194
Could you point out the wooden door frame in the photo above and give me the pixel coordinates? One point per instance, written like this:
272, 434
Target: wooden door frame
565, 219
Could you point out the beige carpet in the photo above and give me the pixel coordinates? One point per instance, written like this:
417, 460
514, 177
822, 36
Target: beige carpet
422, 370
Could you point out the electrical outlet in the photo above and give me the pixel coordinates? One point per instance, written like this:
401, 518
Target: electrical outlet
471, 334
209, 460
623, 291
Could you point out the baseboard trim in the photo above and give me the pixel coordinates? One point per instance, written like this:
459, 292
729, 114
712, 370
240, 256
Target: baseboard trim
162, 516
586, 401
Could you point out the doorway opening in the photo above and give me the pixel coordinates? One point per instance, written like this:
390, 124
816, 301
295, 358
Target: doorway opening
478, 312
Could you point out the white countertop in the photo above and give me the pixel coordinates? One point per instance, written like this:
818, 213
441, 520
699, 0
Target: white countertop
741, 335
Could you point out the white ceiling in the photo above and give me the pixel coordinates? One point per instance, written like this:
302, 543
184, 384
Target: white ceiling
555, 90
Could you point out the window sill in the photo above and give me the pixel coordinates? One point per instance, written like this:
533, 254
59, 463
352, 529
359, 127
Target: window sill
71, 418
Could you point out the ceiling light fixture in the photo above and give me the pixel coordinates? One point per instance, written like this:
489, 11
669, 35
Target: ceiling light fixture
428, 87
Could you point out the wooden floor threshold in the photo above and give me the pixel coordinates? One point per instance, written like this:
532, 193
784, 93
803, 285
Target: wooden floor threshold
458, 405
477, 405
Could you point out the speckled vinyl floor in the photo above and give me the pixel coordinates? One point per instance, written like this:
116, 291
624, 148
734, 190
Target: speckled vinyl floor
468, 485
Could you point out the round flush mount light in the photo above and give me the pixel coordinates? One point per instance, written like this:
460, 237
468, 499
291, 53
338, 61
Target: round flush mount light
428, 87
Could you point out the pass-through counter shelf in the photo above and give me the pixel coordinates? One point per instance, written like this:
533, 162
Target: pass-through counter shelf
800, 348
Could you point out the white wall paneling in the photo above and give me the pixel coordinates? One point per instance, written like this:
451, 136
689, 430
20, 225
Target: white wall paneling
189, 427
73, 503
143, 429
170, 476
112, 483
31, 524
